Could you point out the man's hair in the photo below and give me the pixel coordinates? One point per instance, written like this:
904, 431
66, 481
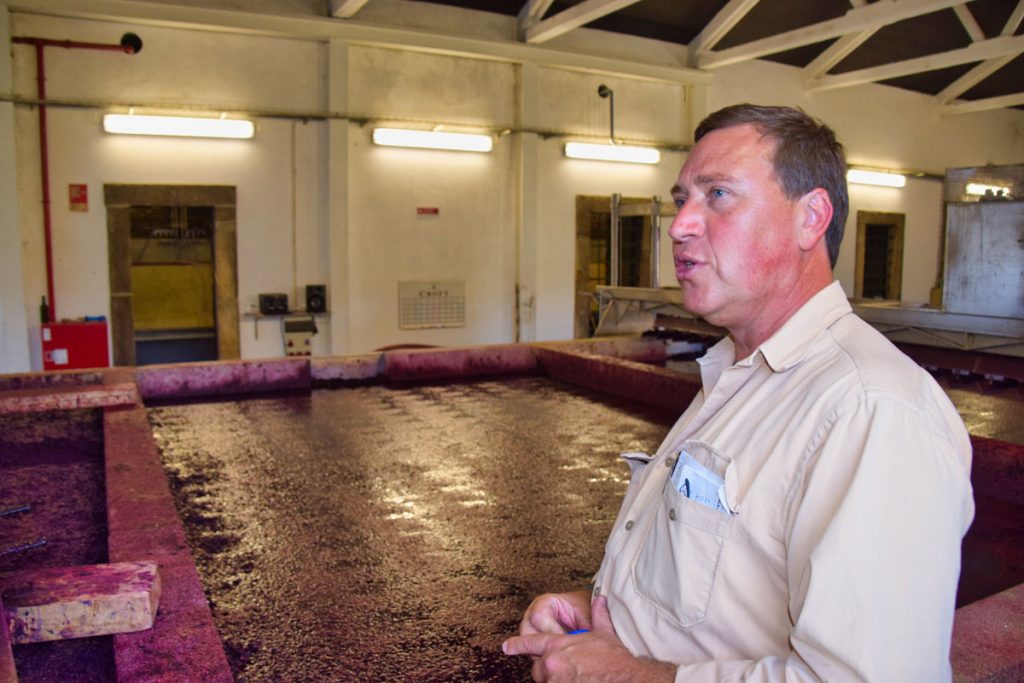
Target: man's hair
807, 156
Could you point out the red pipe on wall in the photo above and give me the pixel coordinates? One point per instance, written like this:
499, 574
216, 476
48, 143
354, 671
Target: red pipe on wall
130, 44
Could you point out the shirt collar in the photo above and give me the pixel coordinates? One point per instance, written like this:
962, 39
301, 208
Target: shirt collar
788, 346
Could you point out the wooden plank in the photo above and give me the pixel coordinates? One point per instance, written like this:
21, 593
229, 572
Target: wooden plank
58, 603
975, 52
8, 674
718, 28
858, 19
346, 9
67, 398
574, 17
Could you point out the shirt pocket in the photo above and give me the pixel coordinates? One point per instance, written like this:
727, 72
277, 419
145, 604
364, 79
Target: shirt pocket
678, 559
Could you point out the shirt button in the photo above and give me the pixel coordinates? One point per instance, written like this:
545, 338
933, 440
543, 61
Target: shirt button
629, 525
672, 514
669, 462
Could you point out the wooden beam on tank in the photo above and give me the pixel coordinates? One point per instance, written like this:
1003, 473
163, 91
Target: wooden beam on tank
67, 398
58, 603
8, 672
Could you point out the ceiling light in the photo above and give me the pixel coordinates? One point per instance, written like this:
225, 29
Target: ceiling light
183, 126
979, 190
427, 139
880, 178
626, 153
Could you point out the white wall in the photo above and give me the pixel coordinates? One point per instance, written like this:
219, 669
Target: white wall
886, 127
297, 226
14, 344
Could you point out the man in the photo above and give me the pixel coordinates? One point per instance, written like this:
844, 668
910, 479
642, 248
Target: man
832, 549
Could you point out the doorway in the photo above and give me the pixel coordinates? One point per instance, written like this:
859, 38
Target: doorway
595, 246
879, 268
173, 273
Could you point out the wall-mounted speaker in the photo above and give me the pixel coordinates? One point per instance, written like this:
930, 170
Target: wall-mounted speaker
316, 298
273, 304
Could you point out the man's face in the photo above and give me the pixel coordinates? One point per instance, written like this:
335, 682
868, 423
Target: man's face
734, 236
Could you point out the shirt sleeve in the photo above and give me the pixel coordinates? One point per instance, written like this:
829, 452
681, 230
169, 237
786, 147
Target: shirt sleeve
873, 553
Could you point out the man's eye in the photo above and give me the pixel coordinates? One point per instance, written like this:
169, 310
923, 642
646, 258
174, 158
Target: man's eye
717, 193
679, 201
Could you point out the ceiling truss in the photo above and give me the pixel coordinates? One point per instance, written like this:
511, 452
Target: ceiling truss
848, 32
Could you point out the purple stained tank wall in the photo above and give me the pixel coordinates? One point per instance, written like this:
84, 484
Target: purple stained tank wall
410, 515
53, 462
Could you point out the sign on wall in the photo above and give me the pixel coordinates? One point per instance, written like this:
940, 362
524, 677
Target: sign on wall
431, 304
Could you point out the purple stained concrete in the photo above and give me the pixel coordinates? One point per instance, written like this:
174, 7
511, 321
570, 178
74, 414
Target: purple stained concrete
8, 669
222, 378
143, 522
986, 364
998, 469
640, 349
424, 364
647, 384
344, 370
45, 380
988, 639
53, 461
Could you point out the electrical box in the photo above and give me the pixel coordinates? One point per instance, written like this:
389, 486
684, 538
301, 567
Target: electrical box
298, 334
75, 345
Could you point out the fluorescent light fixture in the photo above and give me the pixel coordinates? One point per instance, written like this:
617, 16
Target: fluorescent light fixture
979, 190
880, 178
429, 139
625, 153
183, 126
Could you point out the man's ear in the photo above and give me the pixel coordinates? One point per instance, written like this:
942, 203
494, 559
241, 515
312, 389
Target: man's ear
815, 214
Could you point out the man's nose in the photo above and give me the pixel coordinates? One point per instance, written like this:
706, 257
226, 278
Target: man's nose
689, 222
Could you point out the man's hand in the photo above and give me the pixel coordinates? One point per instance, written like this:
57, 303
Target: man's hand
595, 656
557, 613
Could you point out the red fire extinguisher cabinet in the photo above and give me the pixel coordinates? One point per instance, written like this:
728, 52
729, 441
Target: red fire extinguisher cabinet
75, 345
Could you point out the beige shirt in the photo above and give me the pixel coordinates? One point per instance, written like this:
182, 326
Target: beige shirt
847, 471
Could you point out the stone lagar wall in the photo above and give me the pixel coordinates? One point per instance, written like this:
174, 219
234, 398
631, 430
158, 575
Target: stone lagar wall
49, 380
222, 378
988, 642
648, 384
143, 524
988, 639
69, 397
473, 361
225, 378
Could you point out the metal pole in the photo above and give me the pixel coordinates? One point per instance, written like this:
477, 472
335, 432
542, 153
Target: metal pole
615, 247
655, 241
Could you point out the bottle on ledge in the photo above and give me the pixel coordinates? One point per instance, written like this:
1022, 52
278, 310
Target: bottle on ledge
44, 312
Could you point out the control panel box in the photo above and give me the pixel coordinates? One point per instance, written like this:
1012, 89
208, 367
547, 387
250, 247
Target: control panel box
75, 345
298, 334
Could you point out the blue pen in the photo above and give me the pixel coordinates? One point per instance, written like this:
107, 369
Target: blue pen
578, 631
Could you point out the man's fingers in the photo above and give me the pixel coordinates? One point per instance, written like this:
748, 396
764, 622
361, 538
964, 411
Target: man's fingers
600, 616
531, 644
540, 622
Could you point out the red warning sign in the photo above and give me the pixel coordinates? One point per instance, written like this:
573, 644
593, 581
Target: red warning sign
78, 197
